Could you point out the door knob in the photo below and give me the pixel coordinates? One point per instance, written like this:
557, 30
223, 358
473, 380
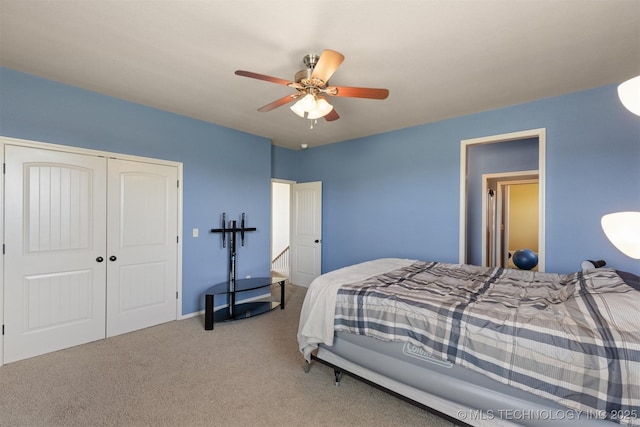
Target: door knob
99, 259
317, 241
112, 258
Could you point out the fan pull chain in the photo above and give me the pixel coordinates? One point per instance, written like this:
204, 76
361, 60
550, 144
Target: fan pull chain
312, 122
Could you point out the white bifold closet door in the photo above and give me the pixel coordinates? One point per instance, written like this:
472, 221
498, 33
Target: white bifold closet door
141, 245
90, 248
55, 222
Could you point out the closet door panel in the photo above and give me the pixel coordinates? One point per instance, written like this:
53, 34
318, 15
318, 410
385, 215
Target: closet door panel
55, 234
141, 246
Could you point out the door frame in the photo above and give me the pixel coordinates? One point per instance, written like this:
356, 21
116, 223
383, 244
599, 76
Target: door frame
501, 178
290, 183
99, 153
540, 134
504, 195
291, 218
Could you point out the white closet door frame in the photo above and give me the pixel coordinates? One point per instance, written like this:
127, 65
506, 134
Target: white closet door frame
69, 149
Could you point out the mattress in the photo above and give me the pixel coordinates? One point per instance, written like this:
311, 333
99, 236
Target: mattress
451, 389
572, 339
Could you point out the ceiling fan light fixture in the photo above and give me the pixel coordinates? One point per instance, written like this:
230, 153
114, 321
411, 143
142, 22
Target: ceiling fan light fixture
312, 86
313, 106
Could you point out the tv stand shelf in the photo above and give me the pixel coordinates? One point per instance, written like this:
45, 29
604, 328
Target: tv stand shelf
243, 310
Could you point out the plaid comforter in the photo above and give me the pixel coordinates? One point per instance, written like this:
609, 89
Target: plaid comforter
574, 339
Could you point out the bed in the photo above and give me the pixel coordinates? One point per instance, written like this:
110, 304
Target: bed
485, 346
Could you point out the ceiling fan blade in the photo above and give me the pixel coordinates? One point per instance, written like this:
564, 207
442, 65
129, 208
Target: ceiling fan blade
358, 92
333, 115
328, 63
279, 102
263, 77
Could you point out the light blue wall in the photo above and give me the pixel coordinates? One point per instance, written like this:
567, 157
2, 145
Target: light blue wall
224, 170
283, 163
396, 194
393, 194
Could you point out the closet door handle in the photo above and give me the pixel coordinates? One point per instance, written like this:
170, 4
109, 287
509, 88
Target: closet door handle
99, 259
112, 258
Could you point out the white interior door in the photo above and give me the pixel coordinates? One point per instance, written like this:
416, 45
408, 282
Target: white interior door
142, 245
306, 232
55, 250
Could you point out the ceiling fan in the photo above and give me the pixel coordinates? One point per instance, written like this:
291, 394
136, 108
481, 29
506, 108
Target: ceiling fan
312, 84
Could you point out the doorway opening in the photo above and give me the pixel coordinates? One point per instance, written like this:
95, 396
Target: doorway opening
280, 227
504, 153
510, 216
296, 230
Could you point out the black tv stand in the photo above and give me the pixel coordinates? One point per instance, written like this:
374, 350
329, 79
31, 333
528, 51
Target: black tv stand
232, 287
244, 310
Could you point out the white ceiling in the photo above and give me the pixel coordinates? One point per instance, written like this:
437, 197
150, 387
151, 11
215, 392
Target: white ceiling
438, 58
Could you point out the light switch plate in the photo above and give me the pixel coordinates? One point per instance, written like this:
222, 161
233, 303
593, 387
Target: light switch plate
195, 232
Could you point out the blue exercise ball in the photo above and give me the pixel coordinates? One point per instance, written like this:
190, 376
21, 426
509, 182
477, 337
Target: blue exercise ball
525, 259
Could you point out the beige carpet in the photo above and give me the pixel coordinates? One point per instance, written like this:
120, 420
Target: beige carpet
243, 373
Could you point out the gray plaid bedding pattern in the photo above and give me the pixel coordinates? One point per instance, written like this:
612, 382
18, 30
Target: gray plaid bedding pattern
574, 339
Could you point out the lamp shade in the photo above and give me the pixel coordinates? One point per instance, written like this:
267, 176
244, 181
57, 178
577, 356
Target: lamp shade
308, 102
629, 94
623, 230
322, 108
305, 104
297, 108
